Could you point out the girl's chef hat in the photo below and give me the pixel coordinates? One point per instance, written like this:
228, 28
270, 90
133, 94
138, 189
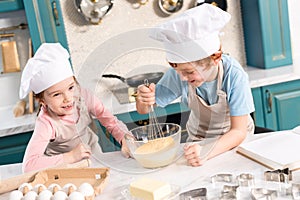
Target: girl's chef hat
193, 35
49, 66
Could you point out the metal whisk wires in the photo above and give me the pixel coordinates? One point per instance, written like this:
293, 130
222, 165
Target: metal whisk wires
155, 130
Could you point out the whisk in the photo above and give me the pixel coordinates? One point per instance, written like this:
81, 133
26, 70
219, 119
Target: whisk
155, 130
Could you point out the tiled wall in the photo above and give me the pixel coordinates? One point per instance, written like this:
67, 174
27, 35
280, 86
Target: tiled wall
84, 39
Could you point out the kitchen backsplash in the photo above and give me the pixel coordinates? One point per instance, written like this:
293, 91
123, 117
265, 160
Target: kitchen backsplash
120, 28
116, 45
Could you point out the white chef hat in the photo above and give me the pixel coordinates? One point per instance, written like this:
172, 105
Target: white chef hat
192, 35
49, 65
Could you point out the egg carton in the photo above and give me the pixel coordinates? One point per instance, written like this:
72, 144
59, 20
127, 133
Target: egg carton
63, 184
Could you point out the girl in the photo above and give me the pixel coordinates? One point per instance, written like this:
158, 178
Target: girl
213, 85
64, 131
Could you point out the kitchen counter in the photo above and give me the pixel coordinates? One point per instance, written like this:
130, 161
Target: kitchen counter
178, 173
9, 125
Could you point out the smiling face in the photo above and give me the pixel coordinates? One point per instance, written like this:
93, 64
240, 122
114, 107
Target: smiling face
60, 97
198, 72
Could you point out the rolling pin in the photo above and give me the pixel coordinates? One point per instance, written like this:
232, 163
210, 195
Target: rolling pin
19, 108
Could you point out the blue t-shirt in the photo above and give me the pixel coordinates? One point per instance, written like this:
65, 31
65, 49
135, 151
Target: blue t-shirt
235, 85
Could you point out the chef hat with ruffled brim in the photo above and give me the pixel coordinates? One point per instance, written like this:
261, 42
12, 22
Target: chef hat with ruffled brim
48, 66
192, 35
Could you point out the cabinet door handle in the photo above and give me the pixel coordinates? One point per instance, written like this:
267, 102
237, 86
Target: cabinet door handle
55, 13
269, 101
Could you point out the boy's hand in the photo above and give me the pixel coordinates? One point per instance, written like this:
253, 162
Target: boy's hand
192, 155
146, 94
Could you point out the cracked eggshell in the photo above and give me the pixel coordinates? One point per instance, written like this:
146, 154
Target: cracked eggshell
86, 189
60, 195
31, 195
45, 195
15, 195
76, 196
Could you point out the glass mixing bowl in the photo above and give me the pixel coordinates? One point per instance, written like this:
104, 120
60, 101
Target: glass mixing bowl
158, 150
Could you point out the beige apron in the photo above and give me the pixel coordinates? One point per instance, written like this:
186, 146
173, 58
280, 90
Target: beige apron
210, 121
69, 136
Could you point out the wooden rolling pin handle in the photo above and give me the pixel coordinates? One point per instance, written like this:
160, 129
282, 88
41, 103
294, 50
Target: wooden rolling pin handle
19, 108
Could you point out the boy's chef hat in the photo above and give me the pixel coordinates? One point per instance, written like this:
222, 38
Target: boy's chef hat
49, 66
193, 35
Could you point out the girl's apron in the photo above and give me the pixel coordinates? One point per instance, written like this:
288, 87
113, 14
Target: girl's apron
210, 121
69, 136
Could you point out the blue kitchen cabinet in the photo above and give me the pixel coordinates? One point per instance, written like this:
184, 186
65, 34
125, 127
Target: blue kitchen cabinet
45, 22
11, 5
266, 33
258, 115
278, 106
12, 148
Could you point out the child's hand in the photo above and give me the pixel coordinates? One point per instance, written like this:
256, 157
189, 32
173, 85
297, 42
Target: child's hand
80, 152
124, 149
146, 94
192, 155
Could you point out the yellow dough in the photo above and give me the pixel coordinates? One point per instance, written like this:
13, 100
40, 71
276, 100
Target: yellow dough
149, 189
154, 146
156, 153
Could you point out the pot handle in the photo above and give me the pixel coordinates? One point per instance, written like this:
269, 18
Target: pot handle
113, 76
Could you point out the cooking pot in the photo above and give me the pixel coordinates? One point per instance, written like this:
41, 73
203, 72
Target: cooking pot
219, 3
94, 10
137, 80
170, 6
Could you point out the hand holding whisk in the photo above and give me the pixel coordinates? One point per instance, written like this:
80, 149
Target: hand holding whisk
155, 130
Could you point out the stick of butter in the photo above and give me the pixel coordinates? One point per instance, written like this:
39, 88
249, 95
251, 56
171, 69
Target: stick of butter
149, 189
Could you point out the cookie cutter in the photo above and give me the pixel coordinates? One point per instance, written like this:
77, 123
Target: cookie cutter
229, 192
228, 196
195, 194
296, 191
227, 178
245, 180
279, 175
263, 194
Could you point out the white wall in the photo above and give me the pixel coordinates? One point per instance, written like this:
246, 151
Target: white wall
294, 17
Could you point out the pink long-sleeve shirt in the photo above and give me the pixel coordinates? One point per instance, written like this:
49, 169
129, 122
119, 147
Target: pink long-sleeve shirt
44, 131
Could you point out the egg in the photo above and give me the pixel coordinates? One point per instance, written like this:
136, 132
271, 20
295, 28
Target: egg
86, 189
60, 195
31, 195
45, 195
15, 195
25, 187
38, 188
69, 188
76, 196
54, 187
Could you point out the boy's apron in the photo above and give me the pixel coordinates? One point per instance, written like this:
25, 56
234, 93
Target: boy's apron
210, 121
69, 136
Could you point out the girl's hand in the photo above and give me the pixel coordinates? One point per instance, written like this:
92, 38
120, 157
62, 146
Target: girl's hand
81, 151
192, 155
124, 149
